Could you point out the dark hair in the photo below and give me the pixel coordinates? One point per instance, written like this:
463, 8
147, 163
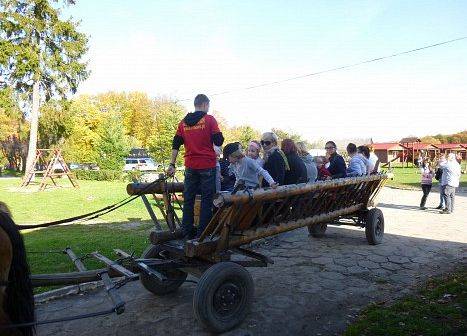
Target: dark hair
332, 143
364, 150
201, 99
288, 146
351, 148
19, 301
231, 148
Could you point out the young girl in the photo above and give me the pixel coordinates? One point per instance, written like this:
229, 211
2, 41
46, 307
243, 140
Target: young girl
323, 173
246, 170
427, 180
254, 149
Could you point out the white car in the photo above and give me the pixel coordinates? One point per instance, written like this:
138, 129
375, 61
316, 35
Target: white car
143, 164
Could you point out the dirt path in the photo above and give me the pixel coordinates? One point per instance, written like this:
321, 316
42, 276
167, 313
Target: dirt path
315, 287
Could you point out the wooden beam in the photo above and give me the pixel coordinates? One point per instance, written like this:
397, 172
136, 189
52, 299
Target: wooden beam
77, 261
194, 248
112, 264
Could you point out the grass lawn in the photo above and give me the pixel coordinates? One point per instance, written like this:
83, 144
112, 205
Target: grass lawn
30, 206
440, 308
127, 228
410, 177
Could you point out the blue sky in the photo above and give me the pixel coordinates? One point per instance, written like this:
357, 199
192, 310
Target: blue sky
180, 48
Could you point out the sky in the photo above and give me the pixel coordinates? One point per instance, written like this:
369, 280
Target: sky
181, 48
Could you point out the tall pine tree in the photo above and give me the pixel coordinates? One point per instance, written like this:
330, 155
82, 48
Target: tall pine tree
40, 56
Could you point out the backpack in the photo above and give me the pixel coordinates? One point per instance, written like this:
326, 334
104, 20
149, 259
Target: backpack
438, 174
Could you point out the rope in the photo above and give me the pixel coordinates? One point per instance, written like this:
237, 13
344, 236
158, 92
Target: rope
95, 214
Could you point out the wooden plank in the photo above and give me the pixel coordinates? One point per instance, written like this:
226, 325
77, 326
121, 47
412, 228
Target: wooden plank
77, 261
71, 278
117, 301
194, 248
112, 264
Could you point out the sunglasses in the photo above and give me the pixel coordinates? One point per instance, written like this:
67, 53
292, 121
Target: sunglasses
265, 143
328, 147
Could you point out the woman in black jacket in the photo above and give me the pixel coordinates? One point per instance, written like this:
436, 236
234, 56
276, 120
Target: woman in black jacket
297, 172
275, 162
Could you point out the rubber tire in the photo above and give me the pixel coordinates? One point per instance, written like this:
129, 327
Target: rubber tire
317, 230
374, 227
154, 285
208, 284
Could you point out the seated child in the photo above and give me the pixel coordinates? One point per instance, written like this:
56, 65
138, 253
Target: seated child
323, 173
254, 149
246, 170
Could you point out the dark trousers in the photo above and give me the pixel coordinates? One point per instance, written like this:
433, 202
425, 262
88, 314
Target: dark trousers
442, 204
449, 194
204, 182
426, 188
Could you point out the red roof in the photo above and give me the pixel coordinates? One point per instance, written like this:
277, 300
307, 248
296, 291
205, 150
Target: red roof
449, 146
419, 146
387, 146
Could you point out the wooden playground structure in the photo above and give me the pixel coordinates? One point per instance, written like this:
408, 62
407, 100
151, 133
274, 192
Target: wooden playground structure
45, 163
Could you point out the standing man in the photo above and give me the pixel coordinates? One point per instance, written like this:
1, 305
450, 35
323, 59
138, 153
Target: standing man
336, 162
451, 175
198, 131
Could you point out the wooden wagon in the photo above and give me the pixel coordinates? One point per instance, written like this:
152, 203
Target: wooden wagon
224, 290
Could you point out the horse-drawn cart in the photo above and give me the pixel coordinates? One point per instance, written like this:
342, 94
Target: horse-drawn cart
219, 256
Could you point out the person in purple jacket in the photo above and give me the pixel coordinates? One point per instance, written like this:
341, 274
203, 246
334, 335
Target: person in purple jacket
427, 180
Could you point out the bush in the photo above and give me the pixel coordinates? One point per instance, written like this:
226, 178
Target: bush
99, 175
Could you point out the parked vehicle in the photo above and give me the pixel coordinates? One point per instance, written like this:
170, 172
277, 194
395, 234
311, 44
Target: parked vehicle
143, 164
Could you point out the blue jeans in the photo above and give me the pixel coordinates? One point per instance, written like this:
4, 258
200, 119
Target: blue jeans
442, 203
198, 181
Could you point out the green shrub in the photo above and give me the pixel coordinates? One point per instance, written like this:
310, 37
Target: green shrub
98, 175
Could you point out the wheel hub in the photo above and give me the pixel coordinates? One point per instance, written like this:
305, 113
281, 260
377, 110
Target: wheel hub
227, 298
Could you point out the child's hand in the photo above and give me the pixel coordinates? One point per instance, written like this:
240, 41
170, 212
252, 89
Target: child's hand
274, 185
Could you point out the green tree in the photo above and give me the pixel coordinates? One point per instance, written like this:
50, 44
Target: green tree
40, 55
243, 134
283, 134
113, 145
13, 130
168, 115
55, 124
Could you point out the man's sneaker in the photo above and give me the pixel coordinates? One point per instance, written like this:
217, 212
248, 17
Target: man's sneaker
445, 212
422, 208
439, 207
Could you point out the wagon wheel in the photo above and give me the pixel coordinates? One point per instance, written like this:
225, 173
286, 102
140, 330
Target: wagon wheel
175, 277
223, 296
317, 230
374, 228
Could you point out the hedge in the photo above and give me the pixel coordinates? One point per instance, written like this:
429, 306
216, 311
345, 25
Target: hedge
98, 175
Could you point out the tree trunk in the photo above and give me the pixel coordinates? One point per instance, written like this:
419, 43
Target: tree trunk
34, 126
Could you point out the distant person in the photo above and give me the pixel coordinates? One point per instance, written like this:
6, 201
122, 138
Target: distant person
323, 173
427, 174
374, 161
297, 172
247, 171
275, 161
218, 152
254, 149
451, 176
364, 151
227, 176
439, 177
198, 132
311, 170
337, 166
357, 165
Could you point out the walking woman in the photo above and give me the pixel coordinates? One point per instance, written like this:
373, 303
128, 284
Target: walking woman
427, 179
